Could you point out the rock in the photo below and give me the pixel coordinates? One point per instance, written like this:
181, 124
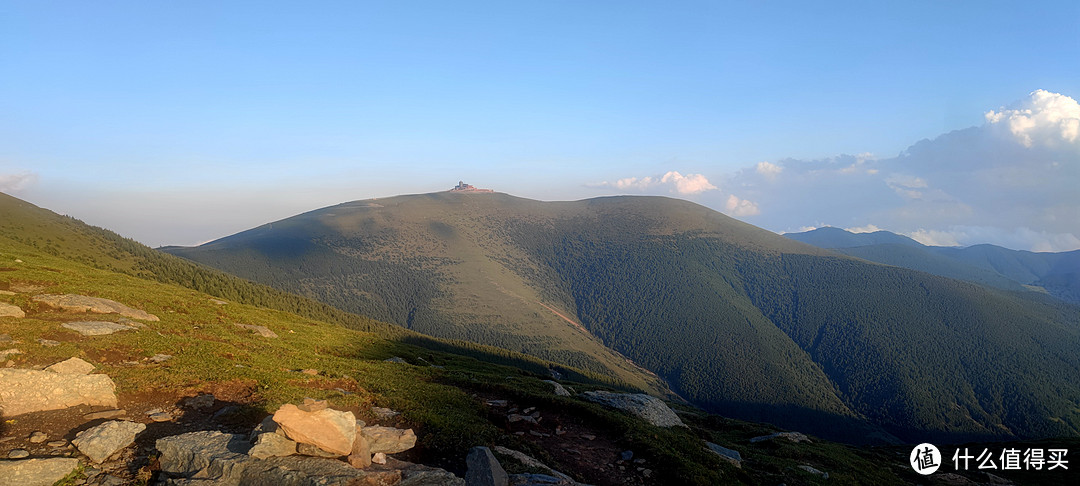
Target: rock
8, 310
4, 354
23, 391
160, 417
218, 302
361, 453
98, 443
202, 402
396, 359
378, 458
388, 439
530, 461
512, 418
330, 430
82, 303
56, 444
48, 343
498, 403
272, 445
160, 358
105, 414
73, 366
726, 454
267, 426
38, 437
812, 470
626, 455
539, 480
384, 413
37, 471
312, 405
310, 371
651, 409
588, 436
260, 330
96, 328
559, 389
18, 454
188, 453
792, 436
484, 469
314, 451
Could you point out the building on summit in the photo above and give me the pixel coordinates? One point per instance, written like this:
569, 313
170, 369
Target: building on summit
463, 187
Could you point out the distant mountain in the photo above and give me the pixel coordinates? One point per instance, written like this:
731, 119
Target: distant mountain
734, 318
1057, 274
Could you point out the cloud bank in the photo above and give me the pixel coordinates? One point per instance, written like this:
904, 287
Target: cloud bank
672, 181
13, 183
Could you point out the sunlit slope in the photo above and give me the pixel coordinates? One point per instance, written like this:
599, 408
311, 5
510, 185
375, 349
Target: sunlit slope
733, 317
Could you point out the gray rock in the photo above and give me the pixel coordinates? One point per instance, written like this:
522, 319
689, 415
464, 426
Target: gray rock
38, 437
267, 426
186, 454
651, 409
484, 469
792, 436
726, 454
37, 471
384, 413
96, 328
559, 389
74, 366
530, 461
160, 358
388, 440
260, 330
23, 391
814, 471
100, 442
272, 445
105, 414
8, 310
626, 455
160, 417
204, 401
48, 343
396, 359
56, 444
539, 480
18, 453
82, 303
313, 451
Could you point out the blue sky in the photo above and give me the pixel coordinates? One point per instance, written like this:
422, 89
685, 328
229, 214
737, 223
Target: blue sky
217, 117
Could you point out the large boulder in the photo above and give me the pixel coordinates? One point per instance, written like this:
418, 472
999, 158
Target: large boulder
37, 471
97, 305
388, 440
559, 389
650, 408
24, 391
729, 455
260, 330
8, 310
73, 366
328, 429
269, 444
100, 442
96, 328
484, 469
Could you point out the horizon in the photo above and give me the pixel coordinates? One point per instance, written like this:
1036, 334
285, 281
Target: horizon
181, 124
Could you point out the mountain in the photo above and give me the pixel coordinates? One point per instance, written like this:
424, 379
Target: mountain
735, 319
448, 392
1057, 274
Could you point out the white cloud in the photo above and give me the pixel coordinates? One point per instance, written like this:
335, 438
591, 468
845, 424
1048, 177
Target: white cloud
863, 229
740, 207
935, 237
1045, 118
17, 182
676, 182
769, 170
1019, 237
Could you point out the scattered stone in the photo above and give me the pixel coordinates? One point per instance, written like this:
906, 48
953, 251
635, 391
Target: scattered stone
260, 330
7, 439
267, 426
56, 444
272, 445
218, 302
313, 405
38, 437
18, 454
230, 409
203, 402
529, 410
360, 457
729, 455
98, 443
4, 354
96, 328
330, 430
651, 409
530, 461
389, 440
160, 358
539, 480
37, 471
314, 451
498, 403
188, 453
626, 455
396, 359
82, 303
378, 458
812, 470
105, 414
310, 371
160, 417
559, 430
520, 418
73, 366
559, 389
384, 413
23, 391
9, 310
588, 436
792, 436
48, 343
484, 469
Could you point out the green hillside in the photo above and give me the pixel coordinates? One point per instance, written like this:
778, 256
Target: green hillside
734, 318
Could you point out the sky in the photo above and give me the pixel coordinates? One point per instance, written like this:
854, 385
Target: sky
183, 122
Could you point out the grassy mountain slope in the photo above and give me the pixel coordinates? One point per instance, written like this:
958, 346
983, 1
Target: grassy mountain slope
442, 395
736, 319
